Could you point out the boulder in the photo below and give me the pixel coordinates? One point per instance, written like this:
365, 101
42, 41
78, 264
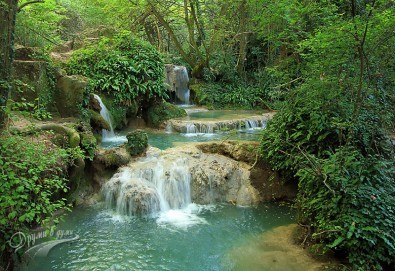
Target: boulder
69, 94
156, 114
137, 142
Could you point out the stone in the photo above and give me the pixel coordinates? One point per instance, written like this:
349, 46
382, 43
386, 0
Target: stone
69, 94
137, 142
97, 121
94, 104
156, 114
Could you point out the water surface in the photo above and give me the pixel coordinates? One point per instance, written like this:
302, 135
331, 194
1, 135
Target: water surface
198, 238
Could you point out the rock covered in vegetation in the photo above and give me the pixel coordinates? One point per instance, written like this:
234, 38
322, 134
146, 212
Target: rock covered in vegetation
137, 142
97, 121
69, 94
156, 114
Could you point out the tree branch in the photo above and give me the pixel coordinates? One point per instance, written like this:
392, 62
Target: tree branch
29, 3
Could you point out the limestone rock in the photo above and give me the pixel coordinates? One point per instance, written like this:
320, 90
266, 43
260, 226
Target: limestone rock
112, 158
69, 94
133, 197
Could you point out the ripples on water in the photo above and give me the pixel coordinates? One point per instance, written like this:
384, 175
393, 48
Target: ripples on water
195, 238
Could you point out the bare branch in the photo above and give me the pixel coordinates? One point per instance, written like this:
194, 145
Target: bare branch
29, 3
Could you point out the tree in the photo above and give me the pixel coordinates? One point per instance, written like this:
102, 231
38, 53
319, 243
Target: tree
8, 10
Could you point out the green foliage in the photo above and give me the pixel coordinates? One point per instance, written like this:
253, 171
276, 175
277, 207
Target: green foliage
217, 95
332, 136
32, 184
137, 142
160, 112
36, 109
351, 199
38, 25
125, 68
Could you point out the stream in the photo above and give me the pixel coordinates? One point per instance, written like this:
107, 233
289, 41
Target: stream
187, 237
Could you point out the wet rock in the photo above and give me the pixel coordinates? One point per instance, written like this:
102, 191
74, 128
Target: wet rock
94, 104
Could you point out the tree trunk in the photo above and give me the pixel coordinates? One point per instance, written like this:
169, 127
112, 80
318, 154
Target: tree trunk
8, 10
243, 39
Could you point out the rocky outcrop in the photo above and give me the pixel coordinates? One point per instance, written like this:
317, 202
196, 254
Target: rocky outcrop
262, 177
137, 142
156, 114
69, 94
204, 126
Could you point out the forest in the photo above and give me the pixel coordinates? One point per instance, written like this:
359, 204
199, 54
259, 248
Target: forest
326, 68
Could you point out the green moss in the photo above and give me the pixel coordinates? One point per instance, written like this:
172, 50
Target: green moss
158, 113
137, 142
88, 144
97, 122
72, 135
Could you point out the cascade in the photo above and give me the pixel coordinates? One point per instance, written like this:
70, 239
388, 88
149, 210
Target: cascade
210, 127
149, 186
177, 81
106, 134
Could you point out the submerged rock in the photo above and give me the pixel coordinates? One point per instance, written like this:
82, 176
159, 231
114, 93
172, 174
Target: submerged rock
274, 250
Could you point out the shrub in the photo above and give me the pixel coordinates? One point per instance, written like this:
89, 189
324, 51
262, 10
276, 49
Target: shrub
32, 185
345, 169
124, 67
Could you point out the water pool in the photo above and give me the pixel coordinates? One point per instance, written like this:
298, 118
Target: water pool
197, 238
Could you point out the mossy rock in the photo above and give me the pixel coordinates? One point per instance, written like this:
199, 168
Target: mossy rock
156, 114
112, 158
137, 142
72, 135
88, 143
69, 94
97, 121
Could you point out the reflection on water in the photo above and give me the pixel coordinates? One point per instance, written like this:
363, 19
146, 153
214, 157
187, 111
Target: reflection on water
195, 239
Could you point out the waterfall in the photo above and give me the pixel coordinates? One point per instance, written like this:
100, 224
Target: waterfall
106, 134
149, 186
177, 81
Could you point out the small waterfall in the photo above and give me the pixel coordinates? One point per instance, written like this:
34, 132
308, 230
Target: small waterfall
106, 134
191, 128
150, 186
169, 128
177, 81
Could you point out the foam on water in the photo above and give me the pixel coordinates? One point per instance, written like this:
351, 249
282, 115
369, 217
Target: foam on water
181, 218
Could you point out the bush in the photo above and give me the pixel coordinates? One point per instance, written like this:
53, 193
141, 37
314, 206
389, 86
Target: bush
137, 142
345, 169
124, 67
32, 185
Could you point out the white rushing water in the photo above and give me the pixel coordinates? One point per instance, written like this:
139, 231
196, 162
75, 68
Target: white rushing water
154, 187
108, 135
